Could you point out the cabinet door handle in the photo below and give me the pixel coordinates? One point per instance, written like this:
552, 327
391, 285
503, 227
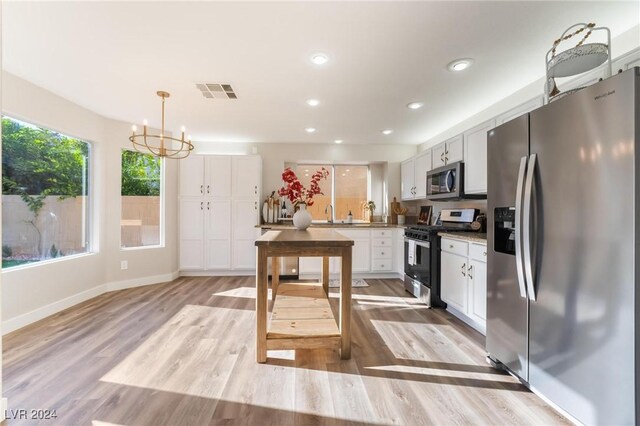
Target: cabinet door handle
208, 205
255, 205
201, 205
464, 269
469, 271
450, 246
484, 253
208, 192
442, 154
381, 253
202, 189
255, 189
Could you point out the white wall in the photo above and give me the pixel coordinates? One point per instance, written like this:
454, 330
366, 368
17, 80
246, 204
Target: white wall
274, 156
34, 291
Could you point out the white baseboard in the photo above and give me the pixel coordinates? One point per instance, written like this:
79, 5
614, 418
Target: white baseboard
225, 273
139, 282
20, 321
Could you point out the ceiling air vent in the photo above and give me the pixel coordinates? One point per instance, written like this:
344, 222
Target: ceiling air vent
216, 91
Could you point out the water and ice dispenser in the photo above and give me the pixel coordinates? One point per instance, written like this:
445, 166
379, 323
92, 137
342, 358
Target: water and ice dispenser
505, 230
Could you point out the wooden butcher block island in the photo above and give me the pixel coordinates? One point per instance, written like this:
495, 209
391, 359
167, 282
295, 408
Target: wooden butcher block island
301, 316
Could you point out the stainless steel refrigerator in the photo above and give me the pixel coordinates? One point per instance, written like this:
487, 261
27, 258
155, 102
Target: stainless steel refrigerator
563, 214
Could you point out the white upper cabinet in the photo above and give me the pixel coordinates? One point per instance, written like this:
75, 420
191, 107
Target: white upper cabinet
422, 166
218, 176
447, 152
246, 176
407, 176
519, 110
192, 176
413, 175
453, 150
475, 162
438, 155
626, 61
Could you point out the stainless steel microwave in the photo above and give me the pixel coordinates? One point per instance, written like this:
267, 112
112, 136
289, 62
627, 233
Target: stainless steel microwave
447, 183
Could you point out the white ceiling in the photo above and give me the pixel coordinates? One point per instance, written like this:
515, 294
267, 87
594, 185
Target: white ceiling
111, 57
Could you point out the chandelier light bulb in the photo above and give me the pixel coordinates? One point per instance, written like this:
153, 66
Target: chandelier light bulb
134, 128
145, 122
182, 129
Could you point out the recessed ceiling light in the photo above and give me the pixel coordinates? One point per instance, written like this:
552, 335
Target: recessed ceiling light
415, 105
387, 132
319, 58
338, 141
310, 129
460, 64
313, 102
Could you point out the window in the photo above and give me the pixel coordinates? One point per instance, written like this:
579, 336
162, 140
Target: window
140, 190
351, 189
320, 201
346, 189
45, 194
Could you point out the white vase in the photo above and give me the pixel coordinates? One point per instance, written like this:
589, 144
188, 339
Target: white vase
302, 218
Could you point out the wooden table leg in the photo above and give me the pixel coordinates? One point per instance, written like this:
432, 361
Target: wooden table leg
262, 283
325, 274
275, 276
345, 304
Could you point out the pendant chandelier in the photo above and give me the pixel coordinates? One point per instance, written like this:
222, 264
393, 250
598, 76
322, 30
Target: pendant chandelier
161, 145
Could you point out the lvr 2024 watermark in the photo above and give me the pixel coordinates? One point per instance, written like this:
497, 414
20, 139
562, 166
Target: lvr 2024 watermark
23, 414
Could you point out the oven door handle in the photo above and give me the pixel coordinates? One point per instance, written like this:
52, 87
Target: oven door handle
425, 244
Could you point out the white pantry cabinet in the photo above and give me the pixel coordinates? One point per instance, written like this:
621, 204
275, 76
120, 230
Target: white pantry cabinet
413, 176
463, 280
475, 158
219, 197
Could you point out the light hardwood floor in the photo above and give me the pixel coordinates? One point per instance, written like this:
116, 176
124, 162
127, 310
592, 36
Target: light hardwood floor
184, 353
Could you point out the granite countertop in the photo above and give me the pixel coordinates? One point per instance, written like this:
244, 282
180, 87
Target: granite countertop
366, 225
475, 237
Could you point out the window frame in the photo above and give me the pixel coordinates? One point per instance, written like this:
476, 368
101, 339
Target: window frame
333, 179
92, 239
161, 243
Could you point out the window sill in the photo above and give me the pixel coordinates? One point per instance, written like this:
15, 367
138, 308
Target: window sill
46, 262
161, 246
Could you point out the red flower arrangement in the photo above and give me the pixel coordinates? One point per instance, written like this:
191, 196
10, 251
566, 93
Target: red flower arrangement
295, 192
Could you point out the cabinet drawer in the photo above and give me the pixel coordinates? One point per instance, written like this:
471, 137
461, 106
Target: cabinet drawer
455, 246
382, 242
381, 265
382, 253
478, 252
381, 233
354, 234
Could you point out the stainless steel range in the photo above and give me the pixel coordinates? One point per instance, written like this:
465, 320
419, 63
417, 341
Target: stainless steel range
422, 254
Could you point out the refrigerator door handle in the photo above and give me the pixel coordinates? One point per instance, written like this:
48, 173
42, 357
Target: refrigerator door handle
518, 228
526, 224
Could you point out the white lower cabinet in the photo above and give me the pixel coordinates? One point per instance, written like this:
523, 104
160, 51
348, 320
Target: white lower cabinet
374, 251
463, 280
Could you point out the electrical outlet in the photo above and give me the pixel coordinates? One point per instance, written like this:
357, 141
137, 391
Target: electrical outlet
124, 265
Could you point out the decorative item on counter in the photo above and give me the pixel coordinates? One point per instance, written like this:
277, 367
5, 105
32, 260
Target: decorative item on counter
400, 214
576, 60
300, 196
349, 217
480, 224
425, 215
392, 208
368, 207
271, 209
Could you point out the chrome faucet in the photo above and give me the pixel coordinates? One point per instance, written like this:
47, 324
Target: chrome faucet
326, 211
